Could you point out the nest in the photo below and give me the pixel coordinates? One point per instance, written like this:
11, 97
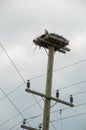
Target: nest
51, 39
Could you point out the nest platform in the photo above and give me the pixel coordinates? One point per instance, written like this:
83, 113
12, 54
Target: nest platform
52, 39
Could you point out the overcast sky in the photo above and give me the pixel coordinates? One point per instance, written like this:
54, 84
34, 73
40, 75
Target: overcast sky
20, 22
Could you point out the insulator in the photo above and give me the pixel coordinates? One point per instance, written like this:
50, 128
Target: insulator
60, 111
28, 84
71, 99
57, 93
40, 126
24, 121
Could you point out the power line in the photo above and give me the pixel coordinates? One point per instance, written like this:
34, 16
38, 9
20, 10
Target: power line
54, 120
69, 107
75, 106
21, 122
16, 69
64, 67
18, 128
9, 120
79, 92
80, 114
19, 75
12, 63
12, 103
41, 74
51, 107
35, 77
68, 96
53, 125
61, 118
18, 114
71, 85
15, 125
12, 91
78, 62
39, 101
42, 110
33, 117
40, 114
74, 84
61, 68
74, 94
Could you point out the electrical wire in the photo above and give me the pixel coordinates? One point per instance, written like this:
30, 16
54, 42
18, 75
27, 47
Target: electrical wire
54, 120
71, 85
42, 110
74, 84
51, 107
34, 77
18, 128
12, 103
19, 75
77, 83
70, 65
12, 63
61, 68
61, 118
18, 114
12, 91
79, 93
33, 104
39, 101
34, 116
5, 122
74, 94
21, 122
17, 70
40, 114
84, 60
69, 107
53, 126
41, 74
80, 114
15, 125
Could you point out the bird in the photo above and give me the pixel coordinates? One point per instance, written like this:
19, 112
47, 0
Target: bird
57, 93
71, 99
46, 32
28, 83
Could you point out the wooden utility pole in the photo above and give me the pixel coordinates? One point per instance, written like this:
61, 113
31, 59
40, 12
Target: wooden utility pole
53, 43
46, 117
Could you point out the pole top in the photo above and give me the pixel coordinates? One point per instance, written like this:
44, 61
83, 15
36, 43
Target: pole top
52, 39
